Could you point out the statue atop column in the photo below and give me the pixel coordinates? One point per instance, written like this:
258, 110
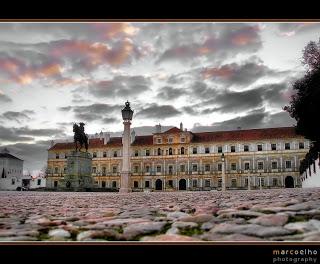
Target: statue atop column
80, 136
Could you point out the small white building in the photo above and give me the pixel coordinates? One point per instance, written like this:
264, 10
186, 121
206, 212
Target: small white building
11, 171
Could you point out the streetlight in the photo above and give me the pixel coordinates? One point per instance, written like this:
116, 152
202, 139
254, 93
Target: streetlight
127, 114
223, 184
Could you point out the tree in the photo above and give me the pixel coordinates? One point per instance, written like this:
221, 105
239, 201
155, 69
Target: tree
305, 103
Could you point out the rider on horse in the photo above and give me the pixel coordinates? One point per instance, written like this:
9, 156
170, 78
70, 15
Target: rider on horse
80, 136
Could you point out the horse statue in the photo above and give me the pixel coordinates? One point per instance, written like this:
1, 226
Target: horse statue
80, 136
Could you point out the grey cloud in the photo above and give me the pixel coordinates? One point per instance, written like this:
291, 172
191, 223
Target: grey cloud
158, 111
120, 86
295, 28
65, 108
170, 93
17, 116
4, 98
26, 131
9, 134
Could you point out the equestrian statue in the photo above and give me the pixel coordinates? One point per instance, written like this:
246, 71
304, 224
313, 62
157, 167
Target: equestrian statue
80, 136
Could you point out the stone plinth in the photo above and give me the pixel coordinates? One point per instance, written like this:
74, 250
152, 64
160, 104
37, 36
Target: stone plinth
78, 177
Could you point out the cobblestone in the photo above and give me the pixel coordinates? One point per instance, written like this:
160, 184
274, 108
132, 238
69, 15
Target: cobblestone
256, 215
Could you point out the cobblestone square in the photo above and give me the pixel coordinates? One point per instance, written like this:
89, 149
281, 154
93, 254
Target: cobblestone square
256, 215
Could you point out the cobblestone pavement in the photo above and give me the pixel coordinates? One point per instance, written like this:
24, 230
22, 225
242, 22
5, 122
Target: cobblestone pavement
276, 215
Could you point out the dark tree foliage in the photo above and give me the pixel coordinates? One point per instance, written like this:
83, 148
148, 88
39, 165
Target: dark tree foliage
305, 104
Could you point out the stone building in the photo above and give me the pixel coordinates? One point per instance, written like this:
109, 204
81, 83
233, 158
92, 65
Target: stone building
178, 159
11, 171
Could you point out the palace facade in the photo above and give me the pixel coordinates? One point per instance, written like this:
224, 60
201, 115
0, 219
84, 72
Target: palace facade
178, 159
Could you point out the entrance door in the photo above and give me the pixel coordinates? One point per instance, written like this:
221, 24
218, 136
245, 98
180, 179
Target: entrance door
289, 182
182, 184
159, 184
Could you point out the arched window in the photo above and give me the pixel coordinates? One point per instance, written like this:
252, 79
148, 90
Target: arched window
159, 151
170, 151
182, 151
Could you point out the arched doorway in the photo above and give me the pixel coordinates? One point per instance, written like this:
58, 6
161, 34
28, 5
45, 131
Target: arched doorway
158, 184
289, 182
182, 184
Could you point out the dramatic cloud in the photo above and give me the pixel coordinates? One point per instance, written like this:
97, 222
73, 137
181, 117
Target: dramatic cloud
9, 134
243, 38
291, 29
120, 86
155, 111
170, 93
4, 98
39, 132
17, 116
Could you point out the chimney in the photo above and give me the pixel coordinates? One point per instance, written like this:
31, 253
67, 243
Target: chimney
106, 138
158, 128
133, 136
181, 126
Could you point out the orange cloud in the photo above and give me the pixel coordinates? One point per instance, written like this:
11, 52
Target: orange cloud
222, 72
113, 30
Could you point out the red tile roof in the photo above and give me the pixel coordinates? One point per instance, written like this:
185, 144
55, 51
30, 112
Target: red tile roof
241, 135
172, 130
143, 140
235, 135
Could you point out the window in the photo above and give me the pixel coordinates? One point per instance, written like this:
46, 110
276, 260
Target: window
288, 164
115, 154
182, 168
260, 165
55, 184
234, 183
159, 151
158, 168
39, 182
94, 154
136, 153
147, 184
170, 151
147, 168
94, 170
65, 170
219, 167
233, 148
159, 140
194, 167
114, 184
273, 146
259, 147
207, 183
170, 169
219, 182
207, 167
301, 145
219, 149
170, 183
194, 183
135, 184
104, 154
194, 151
247, 166
246, 181
182, 151
103, 184
274, 181
274, 165
246, 148
56, 170
170, 140
147, 152
207, 150
136, 168
114, 169
13, 181
233, 166
262, 181
287, 146
104, 170
182, 140
57, 155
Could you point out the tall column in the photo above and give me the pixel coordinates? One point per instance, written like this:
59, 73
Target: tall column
125, 171
127, 114
223, 184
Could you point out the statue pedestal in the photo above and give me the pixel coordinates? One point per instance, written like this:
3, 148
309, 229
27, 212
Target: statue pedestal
78, 177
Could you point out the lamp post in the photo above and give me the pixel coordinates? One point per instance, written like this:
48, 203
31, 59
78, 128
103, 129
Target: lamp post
127, 114
223, 184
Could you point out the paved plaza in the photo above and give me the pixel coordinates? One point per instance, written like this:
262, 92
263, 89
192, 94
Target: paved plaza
259, 215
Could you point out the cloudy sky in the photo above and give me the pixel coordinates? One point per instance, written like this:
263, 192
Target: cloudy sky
210, 76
